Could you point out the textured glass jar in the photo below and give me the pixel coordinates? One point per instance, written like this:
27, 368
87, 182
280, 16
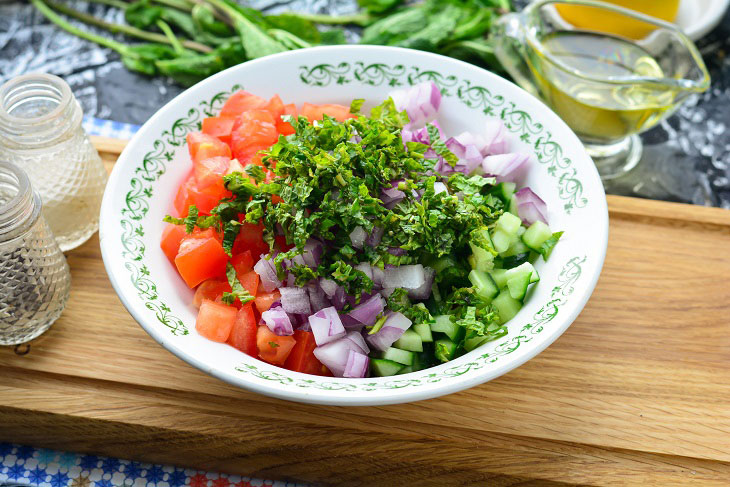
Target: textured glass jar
40, 131
34, 276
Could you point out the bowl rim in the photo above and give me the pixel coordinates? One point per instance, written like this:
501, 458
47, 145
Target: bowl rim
376, 397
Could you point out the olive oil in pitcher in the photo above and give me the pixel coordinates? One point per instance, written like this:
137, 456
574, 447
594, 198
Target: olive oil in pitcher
600, 111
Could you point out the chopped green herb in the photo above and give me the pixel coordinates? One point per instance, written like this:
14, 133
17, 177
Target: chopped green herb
237, 290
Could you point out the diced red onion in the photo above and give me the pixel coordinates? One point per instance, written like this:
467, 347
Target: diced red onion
317, 298
469, 155
312, 253
405, 276
291, 280
334, 354
439, 187
357, 339
374, 238
267, 273
326, 326
351, 323
392, 194
328, 286
506, 167
496, 137
392, 329
421, 102
278, 321
387, 291
378, 276
468, 138
339, 298
424, 291
368, 311
295, 300
530, 206
356, 365
397, 251
358, 236
366, 269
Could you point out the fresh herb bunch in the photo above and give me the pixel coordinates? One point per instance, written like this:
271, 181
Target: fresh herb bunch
327, 182
189, 40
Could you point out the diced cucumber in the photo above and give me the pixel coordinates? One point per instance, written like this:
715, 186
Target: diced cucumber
485, 286
505, 190
507, 306
445, 349
397, 355
500, 277
536, 235
516, 247
521, 269
384, 368
512, 207
481, 259
501, 240
509, 224
405, 370
515, 260
474, 342
424, 331
444, 324
410, 340
517, 285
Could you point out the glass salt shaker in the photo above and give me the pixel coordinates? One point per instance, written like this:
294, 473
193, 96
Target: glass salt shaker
40, 131
34, 276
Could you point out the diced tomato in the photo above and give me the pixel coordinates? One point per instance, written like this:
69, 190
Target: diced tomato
212, 290
243, 334
250, 282
281, 243
316, 112
208, 198
172, 235
199, 259
209, 172
207, 233
243, 262
215, 320
203, 146
273, 348
250, 237
275, 107
283, 127
235, 166
301, 358
264, 300
184, 197
240, 102
254, 130
220, 127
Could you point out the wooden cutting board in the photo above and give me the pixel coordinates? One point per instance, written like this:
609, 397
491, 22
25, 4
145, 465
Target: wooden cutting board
636, 392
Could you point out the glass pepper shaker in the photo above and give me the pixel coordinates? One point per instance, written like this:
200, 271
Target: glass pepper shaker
40, 131
34, 276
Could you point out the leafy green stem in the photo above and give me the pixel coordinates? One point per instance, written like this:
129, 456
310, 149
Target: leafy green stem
361, 19
123, 29
120, 4
170, 35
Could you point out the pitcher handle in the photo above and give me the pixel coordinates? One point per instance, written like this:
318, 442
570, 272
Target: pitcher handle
509, 47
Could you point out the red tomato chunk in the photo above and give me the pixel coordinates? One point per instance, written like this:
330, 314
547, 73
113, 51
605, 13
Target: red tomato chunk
215, 320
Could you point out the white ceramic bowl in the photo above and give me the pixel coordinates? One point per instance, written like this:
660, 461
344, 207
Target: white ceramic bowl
146, 177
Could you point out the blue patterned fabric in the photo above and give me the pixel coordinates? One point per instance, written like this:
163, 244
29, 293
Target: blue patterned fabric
47, 468
109, 128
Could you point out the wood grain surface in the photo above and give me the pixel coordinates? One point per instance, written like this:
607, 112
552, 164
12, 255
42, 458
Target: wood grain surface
636, 392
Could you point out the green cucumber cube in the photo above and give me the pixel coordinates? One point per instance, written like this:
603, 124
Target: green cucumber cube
424, 330
397, 355
410, 340
517, 285
507, 306
536, 235
384, 368
445, 349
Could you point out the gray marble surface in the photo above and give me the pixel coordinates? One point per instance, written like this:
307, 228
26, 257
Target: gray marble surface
686, 158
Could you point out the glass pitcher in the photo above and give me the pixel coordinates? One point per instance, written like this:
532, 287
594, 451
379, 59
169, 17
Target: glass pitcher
608, 86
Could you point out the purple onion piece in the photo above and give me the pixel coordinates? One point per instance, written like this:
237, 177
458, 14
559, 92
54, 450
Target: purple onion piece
277, 321
530, 206
397, 251
421, 102
326, 326
267, 273
506, 167
424, 291
356, 366
357, 339
375, 236
392, 329
334, 355
295, 300
368, 311
328, 286
405, 276
312, 253
495, 136
358, 236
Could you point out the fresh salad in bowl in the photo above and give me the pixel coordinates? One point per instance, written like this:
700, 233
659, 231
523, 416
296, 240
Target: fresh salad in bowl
332, 242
